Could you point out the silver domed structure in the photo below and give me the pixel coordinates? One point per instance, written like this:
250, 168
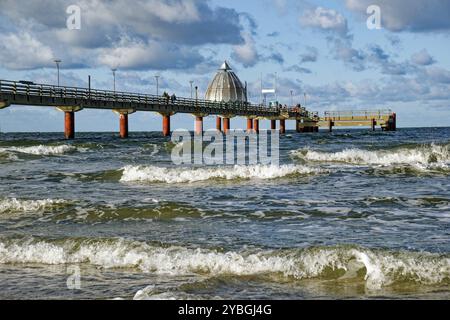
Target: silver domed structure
226, 87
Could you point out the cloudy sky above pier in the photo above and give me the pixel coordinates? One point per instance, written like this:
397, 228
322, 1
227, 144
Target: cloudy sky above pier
321, 48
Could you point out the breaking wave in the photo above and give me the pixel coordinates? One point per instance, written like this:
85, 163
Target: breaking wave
377, 268
43, 150
17, 206
431, 156
189, 175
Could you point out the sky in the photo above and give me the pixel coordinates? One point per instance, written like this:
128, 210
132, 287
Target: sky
322, 51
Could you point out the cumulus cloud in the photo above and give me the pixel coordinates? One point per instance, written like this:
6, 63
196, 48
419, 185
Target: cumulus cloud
131, 54
343, 50
423, 58
246, 53
22, 51
408, 15
178, 26
325, 19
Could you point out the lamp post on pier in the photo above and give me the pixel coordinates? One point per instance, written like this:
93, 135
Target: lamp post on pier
57, 61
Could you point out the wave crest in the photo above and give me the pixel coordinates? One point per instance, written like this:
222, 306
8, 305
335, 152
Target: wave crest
189, 175
43, 150
426, 156
382, 267
16, 205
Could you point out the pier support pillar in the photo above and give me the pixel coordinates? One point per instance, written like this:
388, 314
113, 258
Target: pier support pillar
393, 122
226, 125
166, 125
330, 125
198, 125
123, 121
69, 124
256, 126
123, 125
282, 126
69, 120
273, 124
219, 124
298, 127
249, 125
374, 123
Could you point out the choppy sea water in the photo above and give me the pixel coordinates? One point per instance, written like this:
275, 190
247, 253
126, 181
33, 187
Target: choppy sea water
352, 214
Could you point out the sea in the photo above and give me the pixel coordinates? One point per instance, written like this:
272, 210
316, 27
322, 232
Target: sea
352, 214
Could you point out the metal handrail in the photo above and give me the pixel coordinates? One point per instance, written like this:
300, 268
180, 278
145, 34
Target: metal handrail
52, 91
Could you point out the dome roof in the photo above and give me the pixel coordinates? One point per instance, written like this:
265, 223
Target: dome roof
226, 86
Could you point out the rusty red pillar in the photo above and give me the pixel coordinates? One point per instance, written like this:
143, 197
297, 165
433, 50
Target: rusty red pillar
219, 124
69, 124
394, 122
226, 125
166, 125
282, 126
273, 124
198, 125
256, 126
374, 123
123, 125
249, 125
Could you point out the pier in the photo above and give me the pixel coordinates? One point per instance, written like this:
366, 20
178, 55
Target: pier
71, 100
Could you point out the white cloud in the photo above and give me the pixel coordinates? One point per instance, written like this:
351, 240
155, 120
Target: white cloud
325, 19
129, 54
22, 51
246, 53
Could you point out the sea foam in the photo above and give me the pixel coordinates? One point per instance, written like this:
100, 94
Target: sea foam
189, 175
426, 156
381, 267
14, 205
44, 150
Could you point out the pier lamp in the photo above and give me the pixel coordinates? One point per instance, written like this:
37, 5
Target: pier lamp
157, 84
114, 78
57, 61
191, 82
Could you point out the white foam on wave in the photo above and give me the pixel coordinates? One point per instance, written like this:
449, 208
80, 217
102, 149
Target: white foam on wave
14, 205
427, 156
382, 267
44, 150
189, 175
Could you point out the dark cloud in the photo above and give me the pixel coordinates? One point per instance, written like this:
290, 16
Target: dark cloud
297, 68
277, 57
310, 55
273, 34
423, 58
408, 15
145, 34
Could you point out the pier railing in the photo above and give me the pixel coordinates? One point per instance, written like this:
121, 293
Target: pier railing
357, 115
63, 92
